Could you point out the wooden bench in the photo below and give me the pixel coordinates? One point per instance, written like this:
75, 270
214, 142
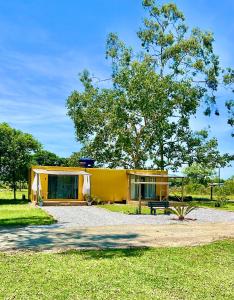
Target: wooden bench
153, 205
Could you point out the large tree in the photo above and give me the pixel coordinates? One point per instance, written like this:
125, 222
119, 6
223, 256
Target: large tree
16, 149
143, 119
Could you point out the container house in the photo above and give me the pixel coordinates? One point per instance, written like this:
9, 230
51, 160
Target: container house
71, 185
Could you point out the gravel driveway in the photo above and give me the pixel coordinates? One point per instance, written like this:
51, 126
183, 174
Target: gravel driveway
94, 228
83, 216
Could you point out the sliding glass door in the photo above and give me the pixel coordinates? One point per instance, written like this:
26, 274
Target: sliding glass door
148, 191
62, 187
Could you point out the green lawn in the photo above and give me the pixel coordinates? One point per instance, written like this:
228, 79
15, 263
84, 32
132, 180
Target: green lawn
204, 272
8, 194
18, 212
23, 215
205, 197
211, 204
128, 208
131, 209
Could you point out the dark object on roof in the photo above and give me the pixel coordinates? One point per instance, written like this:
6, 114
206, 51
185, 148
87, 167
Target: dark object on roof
86, 162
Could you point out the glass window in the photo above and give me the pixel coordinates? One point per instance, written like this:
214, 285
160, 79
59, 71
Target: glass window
148, 191
134, 188
62, 187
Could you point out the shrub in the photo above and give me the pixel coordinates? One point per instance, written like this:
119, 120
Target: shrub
221, 196
195, 188
181, 211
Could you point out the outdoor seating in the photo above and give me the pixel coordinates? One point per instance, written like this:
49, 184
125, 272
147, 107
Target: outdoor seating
154, 205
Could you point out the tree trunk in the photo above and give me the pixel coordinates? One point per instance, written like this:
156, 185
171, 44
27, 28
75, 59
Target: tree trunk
14, 184
136, 163
161, 157
14, 189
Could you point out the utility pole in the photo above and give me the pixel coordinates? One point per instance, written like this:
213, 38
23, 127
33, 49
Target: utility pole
219, 177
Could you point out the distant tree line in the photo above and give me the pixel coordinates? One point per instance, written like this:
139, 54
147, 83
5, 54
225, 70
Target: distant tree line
199, 177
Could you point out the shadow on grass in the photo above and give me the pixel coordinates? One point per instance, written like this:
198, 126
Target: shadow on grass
108, 253
13, 201
37, 239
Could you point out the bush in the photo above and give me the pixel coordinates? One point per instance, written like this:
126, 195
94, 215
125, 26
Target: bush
222, 197
188, 198
229, 187
178, 198
195, 188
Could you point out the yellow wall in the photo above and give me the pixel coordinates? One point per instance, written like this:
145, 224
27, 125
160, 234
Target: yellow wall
106, 184
109, 184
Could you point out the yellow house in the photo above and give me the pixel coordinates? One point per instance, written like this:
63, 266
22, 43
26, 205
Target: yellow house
66, 184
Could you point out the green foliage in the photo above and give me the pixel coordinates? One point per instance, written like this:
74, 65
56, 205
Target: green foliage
229, 186
221, 197
73, 160
203, 153
16, 149
47, 158
142, 119
198, 178
195, 188
228, 80
181, 211
229, 206
199, 174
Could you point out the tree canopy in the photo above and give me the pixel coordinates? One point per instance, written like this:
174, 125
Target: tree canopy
16, 149
228, 80
47, 158
143, 118
199, 174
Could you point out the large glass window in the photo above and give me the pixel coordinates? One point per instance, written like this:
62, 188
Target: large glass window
62, 187
148, 191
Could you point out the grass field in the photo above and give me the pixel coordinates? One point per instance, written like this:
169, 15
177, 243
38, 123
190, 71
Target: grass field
204, 272
211, 204
205, 197
18, 212
131, 209
23, 215
127, 208
8, 194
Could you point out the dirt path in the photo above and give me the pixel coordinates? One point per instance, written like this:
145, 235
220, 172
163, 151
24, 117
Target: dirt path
55, 238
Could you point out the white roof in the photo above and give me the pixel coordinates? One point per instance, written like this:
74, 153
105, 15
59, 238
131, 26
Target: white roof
155, 175
56, 172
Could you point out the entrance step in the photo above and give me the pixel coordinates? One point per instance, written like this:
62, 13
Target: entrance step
64, 203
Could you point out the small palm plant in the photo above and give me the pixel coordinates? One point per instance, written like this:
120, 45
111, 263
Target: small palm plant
181, 211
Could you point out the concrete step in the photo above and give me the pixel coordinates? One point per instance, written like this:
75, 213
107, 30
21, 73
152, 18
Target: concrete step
64, 203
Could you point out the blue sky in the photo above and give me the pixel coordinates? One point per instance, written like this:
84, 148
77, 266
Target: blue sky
45, 44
